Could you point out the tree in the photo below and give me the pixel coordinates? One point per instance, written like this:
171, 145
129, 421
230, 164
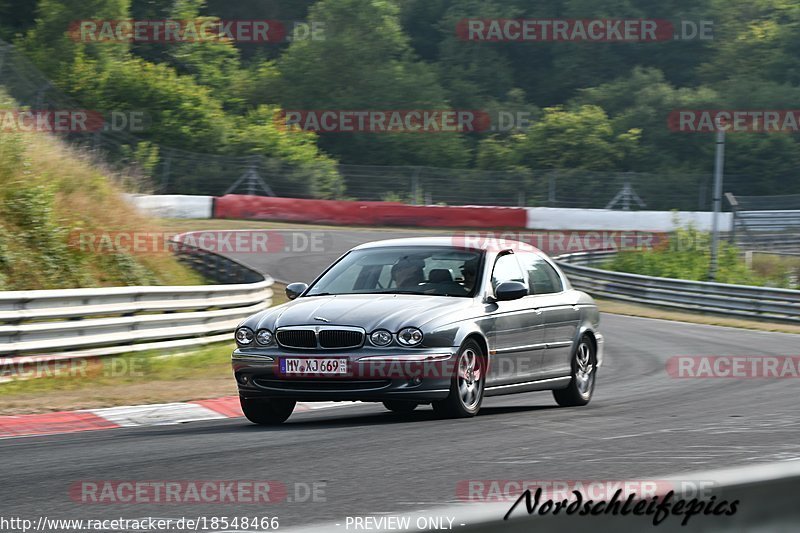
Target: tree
365, 62
53, 45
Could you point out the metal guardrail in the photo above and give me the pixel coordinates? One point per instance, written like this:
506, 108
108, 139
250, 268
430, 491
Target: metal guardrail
96, 321
775, 230
768, 220
741, 301
769, 242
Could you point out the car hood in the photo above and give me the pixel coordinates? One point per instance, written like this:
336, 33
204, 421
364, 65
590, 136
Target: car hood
371, 312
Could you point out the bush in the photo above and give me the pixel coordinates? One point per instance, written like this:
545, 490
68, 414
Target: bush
687, 255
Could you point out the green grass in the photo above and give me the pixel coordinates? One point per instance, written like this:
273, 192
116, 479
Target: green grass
49, 194
126, 369
132, 379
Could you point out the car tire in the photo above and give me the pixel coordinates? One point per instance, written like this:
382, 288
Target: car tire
467, 385
584, 369
400, 406
267, 412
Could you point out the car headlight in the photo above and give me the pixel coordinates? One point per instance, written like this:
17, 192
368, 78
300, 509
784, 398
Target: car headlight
244, 336
381, 337
264, 337
409, 336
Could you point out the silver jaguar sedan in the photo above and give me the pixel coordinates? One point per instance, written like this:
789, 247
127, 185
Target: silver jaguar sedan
432, 320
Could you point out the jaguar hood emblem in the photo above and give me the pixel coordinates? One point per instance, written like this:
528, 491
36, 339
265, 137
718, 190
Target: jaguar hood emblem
321, 319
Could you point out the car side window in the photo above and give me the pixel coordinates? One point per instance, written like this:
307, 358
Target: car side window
506, 268
542, 278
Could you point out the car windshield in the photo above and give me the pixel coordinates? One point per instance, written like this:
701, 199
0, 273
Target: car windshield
439, 271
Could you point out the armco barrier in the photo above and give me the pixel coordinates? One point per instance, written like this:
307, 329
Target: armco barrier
766, 495
742, 301
366, 213
45, 325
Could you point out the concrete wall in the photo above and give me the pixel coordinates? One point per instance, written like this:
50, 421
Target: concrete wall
552, 218
173, 205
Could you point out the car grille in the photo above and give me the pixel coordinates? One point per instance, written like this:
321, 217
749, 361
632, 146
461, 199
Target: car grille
340, 338
324, 337
297, 338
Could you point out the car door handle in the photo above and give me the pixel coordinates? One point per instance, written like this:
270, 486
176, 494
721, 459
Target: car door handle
574, 307
537, 311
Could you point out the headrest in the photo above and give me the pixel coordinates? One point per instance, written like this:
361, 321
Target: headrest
440, 275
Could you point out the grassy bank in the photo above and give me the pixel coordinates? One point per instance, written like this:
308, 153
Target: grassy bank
50, 195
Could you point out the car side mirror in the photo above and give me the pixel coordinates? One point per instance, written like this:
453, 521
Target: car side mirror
293, 290
510, 290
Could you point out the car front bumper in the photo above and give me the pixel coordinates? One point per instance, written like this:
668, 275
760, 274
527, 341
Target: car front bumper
373, 375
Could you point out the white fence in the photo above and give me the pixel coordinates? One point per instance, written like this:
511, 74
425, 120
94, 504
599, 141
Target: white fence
174, 205
540, 218
549, 218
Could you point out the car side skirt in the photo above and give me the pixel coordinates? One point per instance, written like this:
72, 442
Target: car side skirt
528, 386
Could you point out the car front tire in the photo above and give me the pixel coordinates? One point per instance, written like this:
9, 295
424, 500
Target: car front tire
467, 385
399, 406
584, 369
266, 412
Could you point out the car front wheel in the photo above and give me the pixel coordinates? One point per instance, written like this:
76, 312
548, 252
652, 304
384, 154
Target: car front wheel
466, 388
400, 406
266, 412
584, 367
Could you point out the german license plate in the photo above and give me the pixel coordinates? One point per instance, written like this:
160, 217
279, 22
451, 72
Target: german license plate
313, 366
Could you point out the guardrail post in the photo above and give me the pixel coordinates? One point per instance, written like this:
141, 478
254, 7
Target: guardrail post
735, 210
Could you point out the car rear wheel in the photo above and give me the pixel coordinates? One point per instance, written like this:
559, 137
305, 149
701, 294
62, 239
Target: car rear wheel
399, 406
466, 388
584, 367
266, 412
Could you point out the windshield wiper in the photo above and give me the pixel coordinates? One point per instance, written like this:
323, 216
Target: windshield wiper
396, 291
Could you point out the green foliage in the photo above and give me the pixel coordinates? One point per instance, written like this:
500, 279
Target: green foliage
583, 138
366, 62
596, 106
687, 256
28, 209
48, 197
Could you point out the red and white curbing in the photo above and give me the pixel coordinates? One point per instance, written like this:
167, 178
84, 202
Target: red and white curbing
131, 416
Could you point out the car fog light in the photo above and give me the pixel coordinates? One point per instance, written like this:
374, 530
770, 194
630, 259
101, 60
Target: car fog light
264, 337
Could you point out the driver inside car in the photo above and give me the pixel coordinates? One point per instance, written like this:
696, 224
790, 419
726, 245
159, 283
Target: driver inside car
470, 272
408, 273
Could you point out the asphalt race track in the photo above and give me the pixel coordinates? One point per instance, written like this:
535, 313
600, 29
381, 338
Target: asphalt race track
641, 424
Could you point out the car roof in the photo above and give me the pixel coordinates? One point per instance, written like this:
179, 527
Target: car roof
486, 241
